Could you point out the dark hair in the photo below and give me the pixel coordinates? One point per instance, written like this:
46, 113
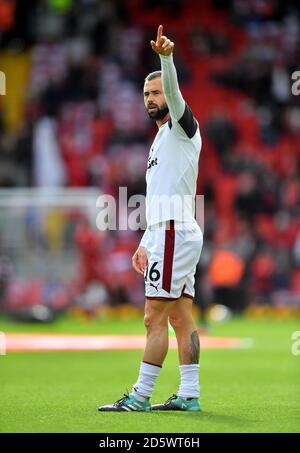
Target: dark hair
152, 76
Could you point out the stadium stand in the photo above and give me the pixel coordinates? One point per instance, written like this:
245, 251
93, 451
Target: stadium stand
81, 123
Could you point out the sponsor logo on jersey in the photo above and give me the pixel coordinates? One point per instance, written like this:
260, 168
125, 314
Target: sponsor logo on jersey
151, 162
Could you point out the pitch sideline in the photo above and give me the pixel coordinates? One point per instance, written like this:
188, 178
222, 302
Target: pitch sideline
68, 342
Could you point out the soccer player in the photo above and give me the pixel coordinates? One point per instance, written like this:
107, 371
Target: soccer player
171, 245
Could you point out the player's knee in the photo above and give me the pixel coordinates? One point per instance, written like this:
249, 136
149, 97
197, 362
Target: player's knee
150, 321
175, 321
153, 321
147, 321
180, 320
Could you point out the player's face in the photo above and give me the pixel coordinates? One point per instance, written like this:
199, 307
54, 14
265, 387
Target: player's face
154, 99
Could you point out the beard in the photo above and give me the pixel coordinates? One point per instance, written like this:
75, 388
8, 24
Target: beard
160, 113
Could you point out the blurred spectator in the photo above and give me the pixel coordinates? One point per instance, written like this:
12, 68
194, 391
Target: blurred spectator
248, 197
225, 273
6, 273
222, 132
263, 273
205, 42
49, 169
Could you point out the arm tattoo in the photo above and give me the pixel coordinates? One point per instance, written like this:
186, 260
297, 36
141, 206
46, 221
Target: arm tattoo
195, 347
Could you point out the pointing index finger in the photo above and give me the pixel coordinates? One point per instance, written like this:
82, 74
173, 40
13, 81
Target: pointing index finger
159, 32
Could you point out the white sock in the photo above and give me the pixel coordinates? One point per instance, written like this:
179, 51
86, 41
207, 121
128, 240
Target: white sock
144, 386
189, 381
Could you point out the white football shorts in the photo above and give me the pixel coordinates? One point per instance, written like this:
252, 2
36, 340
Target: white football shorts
173, 251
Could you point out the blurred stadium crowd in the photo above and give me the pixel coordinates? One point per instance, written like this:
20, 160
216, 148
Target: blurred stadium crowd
73, 116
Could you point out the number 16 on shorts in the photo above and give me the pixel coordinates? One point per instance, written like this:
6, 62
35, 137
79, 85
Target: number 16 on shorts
152, 276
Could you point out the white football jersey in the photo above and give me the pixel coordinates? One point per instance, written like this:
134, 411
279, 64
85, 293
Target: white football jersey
172, 169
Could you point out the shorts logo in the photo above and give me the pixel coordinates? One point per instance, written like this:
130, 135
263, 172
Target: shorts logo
154, 286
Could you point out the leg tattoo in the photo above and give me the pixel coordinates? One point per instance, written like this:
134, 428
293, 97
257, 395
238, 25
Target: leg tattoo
195, 347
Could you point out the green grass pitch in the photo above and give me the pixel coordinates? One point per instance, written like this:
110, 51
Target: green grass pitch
243, 390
